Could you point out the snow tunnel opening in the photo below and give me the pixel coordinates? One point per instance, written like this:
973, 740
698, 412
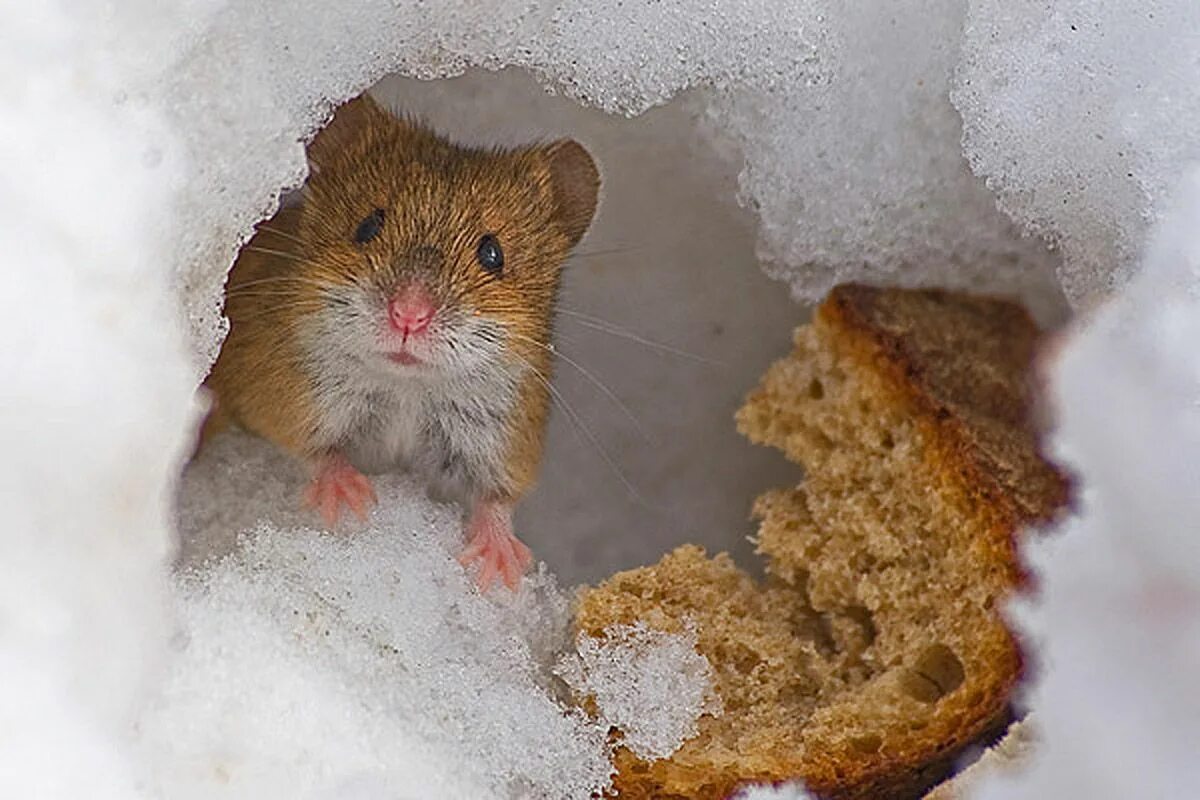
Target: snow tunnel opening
665, 322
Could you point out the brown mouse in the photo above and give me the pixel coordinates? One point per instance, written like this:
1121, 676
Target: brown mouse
400, 318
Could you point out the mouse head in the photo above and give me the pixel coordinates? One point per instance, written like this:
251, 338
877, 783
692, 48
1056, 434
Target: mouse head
433, 258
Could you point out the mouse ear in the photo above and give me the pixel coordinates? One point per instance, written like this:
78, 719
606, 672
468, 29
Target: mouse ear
575, 182
347, 124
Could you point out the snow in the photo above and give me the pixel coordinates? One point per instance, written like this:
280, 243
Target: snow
1118, 619
140, 142
307, 661
91, 434
789, 791
1081, 114
862, 176
650, 685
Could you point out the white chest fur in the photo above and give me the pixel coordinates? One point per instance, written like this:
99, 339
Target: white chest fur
452, 433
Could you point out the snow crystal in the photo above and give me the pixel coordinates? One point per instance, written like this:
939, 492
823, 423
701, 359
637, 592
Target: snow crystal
651, 685
1118, 620
1081, 113
786, 791
626, 57
306, 660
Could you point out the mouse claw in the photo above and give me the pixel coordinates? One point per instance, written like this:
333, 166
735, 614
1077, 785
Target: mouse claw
338, 482
492, 544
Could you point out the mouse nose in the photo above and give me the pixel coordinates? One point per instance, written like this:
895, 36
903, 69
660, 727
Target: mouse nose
410, 311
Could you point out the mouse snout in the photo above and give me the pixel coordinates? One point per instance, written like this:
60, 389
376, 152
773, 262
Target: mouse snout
410, 310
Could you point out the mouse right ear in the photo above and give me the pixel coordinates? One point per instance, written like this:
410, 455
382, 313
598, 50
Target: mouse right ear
575, 182
348, 122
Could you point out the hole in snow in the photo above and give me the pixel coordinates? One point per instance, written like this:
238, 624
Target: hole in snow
667, 269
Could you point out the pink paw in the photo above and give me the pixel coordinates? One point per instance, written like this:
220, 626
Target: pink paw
493, 545
337, 482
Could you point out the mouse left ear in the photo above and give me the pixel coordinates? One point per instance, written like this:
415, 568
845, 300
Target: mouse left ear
575, 183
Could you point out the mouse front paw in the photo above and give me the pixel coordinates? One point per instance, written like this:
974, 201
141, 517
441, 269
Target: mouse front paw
493, 545
336, 482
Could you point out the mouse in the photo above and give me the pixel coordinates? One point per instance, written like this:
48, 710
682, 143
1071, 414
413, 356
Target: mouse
399, 317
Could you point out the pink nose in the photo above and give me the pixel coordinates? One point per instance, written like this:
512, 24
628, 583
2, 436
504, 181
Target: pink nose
410, 311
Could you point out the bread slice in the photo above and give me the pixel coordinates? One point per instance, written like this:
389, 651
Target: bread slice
875, 652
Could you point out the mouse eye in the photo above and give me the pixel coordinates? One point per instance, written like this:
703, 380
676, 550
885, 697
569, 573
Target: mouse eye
489, 254
370, 227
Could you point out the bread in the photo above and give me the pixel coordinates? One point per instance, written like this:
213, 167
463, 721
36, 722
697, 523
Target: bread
875, 652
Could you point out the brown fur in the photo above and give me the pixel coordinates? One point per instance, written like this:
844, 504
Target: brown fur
537, 200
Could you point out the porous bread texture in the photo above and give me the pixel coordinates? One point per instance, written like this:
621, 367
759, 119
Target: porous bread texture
875, 652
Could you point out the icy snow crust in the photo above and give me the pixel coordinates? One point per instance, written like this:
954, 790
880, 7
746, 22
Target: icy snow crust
1081, 115
141, 141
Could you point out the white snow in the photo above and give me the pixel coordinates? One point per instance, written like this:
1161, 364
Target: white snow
93, 410
1118, 622
1081, 114
307, 661
139, 141
650, 685
861, 176
788, 791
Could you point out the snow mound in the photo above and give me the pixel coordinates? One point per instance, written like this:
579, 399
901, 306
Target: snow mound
862, 176
93, 410
1082, 114
312, 664
1117, 625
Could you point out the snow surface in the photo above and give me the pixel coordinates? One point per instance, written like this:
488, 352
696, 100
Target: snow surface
1118, 620
1081, 114
649, 684
141, 140
861, 175
308, 662
93, 411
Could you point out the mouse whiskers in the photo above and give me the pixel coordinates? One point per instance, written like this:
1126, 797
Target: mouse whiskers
271, 231
604, 326
582, 429
273, 252
599, 384
280, 283
583, 255
270, 309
